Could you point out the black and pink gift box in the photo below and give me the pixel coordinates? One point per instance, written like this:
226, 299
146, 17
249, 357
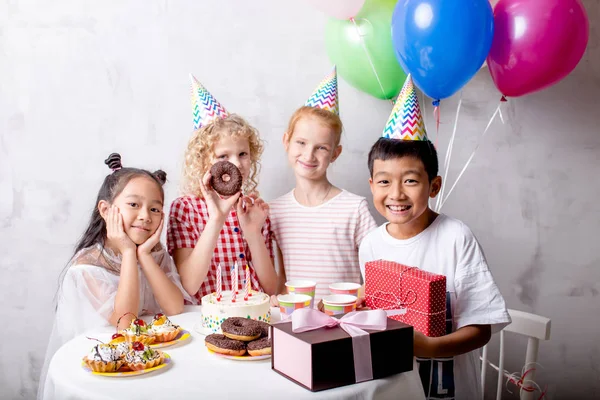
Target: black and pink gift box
321, 358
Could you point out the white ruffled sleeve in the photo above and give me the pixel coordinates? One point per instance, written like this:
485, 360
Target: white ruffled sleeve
166, 263
85, 302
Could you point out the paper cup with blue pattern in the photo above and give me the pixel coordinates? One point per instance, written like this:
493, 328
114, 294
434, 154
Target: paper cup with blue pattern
303, 287
337, 304
288, 303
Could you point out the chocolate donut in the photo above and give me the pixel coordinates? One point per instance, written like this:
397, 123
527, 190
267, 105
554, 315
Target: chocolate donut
224, 345
259, 347
239, 328
228, 187
264, 328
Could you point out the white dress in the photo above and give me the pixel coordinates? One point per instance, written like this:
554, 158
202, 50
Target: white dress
86, 297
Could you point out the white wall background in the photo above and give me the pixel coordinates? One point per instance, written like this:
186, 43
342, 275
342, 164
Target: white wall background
80, 79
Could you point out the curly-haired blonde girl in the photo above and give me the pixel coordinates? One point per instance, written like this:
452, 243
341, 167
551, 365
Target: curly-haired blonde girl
200, 155
207, 231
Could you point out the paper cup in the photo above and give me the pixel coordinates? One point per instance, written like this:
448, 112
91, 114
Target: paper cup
303, 287
344, 288
339, 304
290, 302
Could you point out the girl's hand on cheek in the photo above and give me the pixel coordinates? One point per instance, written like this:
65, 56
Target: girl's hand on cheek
146, 247
115, 232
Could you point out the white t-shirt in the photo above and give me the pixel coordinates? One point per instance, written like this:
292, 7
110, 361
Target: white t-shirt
447, 247
321, 243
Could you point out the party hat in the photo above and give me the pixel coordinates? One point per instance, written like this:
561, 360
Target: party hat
405, 121
204, 106
325, 95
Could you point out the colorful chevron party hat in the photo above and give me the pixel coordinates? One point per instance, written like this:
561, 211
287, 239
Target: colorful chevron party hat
204, 106
325, 95
405, 121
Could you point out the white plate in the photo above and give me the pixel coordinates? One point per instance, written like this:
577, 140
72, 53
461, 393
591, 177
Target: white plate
198, 328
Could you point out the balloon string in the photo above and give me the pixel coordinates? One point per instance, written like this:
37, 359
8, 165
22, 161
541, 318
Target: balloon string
364, 46
449, 152
436, 115
471, 157
523, 384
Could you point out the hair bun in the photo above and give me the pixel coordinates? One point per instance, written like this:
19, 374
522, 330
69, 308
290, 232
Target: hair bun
114, 161
161, 176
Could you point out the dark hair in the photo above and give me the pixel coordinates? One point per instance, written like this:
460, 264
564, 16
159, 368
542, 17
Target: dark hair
388, 149
112, 186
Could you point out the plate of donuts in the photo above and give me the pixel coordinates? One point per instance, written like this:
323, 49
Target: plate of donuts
242, 340
247, 357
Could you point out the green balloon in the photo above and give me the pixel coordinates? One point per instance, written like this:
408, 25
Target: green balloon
347, 46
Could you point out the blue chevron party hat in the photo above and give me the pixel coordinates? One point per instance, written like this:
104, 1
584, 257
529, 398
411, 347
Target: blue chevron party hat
205, 107
325, 95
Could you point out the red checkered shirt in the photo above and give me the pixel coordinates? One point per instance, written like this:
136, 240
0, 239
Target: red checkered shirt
187, 219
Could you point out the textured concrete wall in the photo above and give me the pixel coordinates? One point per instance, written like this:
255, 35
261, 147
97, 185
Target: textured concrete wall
79, 80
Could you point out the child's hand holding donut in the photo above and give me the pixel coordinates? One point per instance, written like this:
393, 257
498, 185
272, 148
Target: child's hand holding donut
146, 247
251, 214
115, 232
217, 207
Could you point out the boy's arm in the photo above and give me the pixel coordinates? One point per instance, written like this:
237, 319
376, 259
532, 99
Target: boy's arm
461, 341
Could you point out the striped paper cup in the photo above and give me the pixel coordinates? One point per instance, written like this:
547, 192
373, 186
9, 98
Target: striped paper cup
290, 302
339, 304
303, 287
344, 288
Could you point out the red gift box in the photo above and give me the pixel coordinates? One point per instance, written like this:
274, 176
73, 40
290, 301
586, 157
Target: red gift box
418, 296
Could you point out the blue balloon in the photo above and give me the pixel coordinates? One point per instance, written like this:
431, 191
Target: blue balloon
442, 43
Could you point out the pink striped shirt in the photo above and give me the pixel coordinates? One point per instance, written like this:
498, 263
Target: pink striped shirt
321, 243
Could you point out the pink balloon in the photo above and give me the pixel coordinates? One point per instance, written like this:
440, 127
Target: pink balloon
536, 43
340, 9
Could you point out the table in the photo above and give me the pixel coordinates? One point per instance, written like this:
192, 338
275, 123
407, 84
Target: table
196, 373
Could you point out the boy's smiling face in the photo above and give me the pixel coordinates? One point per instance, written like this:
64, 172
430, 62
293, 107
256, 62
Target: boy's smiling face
401, 192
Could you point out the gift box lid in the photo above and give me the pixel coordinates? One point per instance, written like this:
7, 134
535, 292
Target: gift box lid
397, 268
330, 334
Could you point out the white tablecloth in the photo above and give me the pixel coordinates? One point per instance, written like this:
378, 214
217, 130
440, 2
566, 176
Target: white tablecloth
196, 373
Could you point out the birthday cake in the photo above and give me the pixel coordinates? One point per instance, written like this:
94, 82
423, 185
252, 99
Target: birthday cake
214, 311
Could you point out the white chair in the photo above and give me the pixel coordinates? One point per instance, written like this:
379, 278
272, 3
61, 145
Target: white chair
536, 328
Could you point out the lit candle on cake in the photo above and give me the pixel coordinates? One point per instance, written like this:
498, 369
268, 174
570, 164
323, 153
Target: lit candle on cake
247, 286
250, 286
219, 280
234, 283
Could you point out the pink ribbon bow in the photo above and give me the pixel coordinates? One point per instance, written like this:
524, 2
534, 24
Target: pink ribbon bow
353, 323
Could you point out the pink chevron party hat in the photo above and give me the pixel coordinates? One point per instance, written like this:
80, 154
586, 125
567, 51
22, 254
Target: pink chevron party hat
205, 107
405, 121
325, 95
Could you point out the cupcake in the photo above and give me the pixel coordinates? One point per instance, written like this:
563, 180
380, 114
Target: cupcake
104, 358
122, 345
141, 356
163, 329
138, 332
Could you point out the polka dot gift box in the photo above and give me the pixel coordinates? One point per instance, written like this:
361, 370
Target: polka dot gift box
409, 294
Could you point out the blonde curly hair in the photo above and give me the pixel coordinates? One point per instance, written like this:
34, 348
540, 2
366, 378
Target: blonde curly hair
200, 152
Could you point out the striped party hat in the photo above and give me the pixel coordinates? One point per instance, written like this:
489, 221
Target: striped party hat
204, 106
405, 121
325, 95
